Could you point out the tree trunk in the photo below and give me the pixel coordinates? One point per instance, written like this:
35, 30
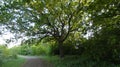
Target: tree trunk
61, 49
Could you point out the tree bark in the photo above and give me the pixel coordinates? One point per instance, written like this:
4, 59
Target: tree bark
61, 49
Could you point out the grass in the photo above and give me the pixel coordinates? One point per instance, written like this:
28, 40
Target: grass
68, 61
77, 61
14, 63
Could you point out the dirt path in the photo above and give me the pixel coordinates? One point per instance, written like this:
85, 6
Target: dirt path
34, 61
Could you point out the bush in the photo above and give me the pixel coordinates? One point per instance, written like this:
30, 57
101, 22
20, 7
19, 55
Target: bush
69, 49
103, 47
41, 49
3, 54
25, 50
78, 61
38, 50
6, 54
1, 58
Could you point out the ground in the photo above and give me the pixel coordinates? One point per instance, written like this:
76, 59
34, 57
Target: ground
35, 61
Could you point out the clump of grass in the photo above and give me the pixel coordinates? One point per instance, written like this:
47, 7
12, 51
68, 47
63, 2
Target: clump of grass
14, 63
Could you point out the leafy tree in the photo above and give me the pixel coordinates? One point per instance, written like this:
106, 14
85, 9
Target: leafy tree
43, 18
105, 26
104, 15
58, 19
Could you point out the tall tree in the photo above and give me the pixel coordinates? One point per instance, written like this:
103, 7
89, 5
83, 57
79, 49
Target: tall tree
55, 19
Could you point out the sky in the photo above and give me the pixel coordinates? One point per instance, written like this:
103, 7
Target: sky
6, 36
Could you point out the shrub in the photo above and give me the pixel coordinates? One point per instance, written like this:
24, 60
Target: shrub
25, 50
6, 54
40, 50
102, 49
69, 49
1, 58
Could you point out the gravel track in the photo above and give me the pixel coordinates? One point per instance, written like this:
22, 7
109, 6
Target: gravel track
35, 61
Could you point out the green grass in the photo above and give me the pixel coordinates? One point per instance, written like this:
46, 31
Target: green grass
14, 63
77, 61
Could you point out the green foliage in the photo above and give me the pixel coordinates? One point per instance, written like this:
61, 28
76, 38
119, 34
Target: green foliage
54, 19
14, 63
77, 61
38, 50
42, 49
65, 21
69, 49
24, 50
14, 51
6, 54
104, 45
